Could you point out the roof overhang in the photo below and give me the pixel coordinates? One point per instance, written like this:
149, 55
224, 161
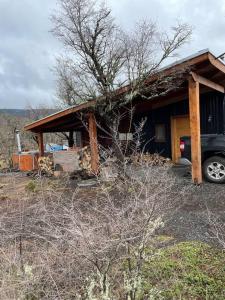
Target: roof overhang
203, 63
62, 120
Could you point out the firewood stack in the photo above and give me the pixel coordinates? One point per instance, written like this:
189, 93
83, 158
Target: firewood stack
151, 159
85, 159
45, 166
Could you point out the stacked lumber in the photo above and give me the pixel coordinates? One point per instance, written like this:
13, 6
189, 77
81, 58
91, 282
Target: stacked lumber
45, 165
151, 159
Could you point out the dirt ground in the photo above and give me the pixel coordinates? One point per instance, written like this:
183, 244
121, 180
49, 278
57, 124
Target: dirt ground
12, 185
188, 222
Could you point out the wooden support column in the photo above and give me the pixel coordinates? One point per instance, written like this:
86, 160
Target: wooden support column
93, 143
40, 143
194, 110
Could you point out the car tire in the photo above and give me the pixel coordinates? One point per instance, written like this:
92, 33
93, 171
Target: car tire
214, 169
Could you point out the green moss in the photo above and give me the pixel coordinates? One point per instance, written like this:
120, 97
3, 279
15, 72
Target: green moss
189, 270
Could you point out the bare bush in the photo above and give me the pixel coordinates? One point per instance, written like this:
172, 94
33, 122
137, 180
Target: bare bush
87, 244
217, 227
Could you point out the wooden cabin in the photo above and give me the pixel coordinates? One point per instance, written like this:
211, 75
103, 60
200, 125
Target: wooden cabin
196, 107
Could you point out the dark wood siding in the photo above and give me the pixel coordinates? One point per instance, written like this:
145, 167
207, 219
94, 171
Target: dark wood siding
212, 107
212, 113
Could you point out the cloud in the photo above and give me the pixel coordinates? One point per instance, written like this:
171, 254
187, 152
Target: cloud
27, 53
28, 50
207, 18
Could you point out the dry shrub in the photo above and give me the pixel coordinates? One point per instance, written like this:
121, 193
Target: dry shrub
86, 244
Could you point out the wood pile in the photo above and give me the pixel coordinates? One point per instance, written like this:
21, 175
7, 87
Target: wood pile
45, 166
151, 159
85, 159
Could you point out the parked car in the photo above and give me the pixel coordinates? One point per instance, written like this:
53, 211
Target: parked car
213, 156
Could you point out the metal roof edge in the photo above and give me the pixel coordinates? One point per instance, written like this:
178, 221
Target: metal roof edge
182, 60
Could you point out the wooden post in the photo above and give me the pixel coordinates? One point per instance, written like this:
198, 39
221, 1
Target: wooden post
93, 143
40, 143
194, 110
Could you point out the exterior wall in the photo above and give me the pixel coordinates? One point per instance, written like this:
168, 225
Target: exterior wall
212, 113
104, 136
212, 106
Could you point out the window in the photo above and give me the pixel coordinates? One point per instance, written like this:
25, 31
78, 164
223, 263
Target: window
126, 136
160, 133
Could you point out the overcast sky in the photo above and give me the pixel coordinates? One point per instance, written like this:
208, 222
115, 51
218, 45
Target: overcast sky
28, 50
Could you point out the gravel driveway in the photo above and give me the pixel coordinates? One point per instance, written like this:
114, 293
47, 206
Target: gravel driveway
191, 221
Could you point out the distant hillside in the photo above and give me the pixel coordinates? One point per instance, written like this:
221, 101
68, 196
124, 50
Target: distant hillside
15, 112
26, 113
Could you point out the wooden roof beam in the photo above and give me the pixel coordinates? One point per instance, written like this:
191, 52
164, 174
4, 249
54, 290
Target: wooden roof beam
58, 124
59, 130
216, 63
204, 81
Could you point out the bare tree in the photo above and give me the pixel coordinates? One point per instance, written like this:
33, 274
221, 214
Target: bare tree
39, 111
89, 31
104, 58
110, 65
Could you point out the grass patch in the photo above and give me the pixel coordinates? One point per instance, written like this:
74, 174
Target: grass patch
31, 187
189, 270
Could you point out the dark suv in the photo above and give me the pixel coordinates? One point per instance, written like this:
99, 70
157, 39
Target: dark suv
213, 155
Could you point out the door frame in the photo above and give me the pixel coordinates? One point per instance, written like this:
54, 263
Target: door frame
173, 132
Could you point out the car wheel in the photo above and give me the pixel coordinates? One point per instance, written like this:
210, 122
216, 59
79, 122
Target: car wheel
214, 169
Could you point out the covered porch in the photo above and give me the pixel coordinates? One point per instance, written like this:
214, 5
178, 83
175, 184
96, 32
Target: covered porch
197, 107
206, 74
75, 119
